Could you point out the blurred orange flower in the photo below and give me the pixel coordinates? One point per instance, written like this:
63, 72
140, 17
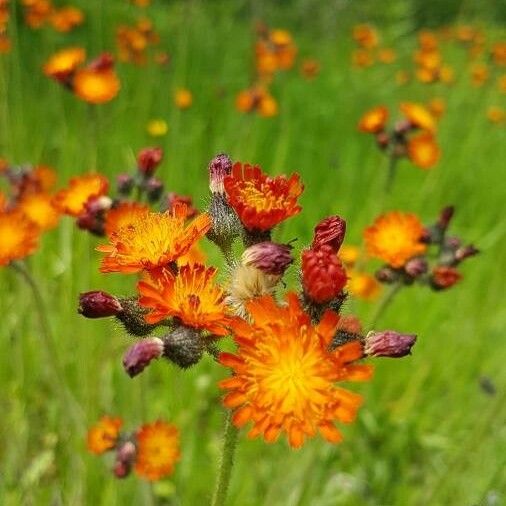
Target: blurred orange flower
284, 373
39, 208
418, 116
423, 150
362, 285
66, 19
104, 435
374, 120
183, 98
96, 86
71, 200
19, 235
365, 36
64, 63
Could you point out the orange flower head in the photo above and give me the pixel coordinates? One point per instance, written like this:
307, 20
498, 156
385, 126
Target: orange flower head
72, 200
45, 177
64, 63
496, 115
310, 68
363, 286
190, 295
122, 215
395, 237
437, 107
157, 450
349, 254
362, 58
260, 201
374, 121
66, 19
183, 98
19, 235
387, 55
96, 86
423, 150
152, 241
104, 435
267, 106
39, 208
365, 36
284, 373
418, 116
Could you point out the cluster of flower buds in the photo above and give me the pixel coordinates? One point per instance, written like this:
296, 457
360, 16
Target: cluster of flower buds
412, 136
151, 451
437, 265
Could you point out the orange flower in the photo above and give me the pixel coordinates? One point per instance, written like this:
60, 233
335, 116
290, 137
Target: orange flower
362, 285
387, 55
44, 176
64, 63
495, 114
191, 296
123, 215
104, 435
71, 200
257, 99
374, 121
19, 236
96, 86
310, 68
423, 150
66, 18
183, 98
349, 254
395, 237
437, 107
362, 58
479, 74
194, 256
260, 201
419, 116
152, 241
39, 208
365, 36
157, 450
284, 373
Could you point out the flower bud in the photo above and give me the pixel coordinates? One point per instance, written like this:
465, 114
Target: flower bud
154, 189
98, 304
445, 217
219, 167
329, 231
388, 343
148, 160
183, 346
402, 127
444, 277
382, 140
226, 225
125, 457
465, 252
323, 275
132, 318
416, 267
269, 257
124, 184
139, 356
103, 62
387, 275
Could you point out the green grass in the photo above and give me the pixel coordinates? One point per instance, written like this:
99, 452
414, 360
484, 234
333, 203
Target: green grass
428, 434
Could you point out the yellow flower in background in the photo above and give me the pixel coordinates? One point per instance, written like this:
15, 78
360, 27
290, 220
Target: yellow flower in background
349, 255
362, 285
157, 127
183, 98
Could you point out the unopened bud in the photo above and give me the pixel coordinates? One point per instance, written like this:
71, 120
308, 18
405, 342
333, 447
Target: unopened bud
132, 318
402, 127
125, 456
388, 343
125, 184
154, 189
465, 252
183, 346
103, 62
444, 277
226, 225
445, 217
269, 257
139, 356
219, 167
387, 275
330, 231
416, 267
98, 304
382, 140
148, 160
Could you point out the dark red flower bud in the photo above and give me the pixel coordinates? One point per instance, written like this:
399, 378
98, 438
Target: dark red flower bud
382, 140
125, 184
139, 356
269, 257
219, 167
154, 189
148, 160
98, 304
465, 252
388, 343
103, 62
387, 275
125, 456
330, 231
416, 267
323, 275
445, 217
444, 277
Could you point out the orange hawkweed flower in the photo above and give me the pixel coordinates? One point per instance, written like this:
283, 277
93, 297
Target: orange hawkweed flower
260, 201
71, 200
183, 98
362, 285
495, 114
395, 237
374, 121
365, 36
310, 68
423, 150
104, 435
123, 215
437, 107
66, 19
39, 208
191, 296
362, 58
284, 373
387, 55
349, 255
157, 450
418, 116
96, 86
152, 241
19, 235
64, 63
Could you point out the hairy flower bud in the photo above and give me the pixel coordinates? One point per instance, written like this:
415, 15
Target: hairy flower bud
148, 160
445, 217
465, 252
98, 304
382, 140
387, 275
226, 225
124, 184
101, 63
139, 356
330, 231
219, 167
125, 457
132, 318
416, 267
444, 277
323, 275
183, 346
154, 189
269, 257
388, 343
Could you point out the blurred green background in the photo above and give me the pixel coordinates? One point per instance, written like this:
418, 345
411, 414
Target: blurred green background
432, 429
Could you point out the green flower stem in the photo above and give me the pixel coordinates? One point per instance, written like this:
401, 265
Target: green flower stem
385, 303
227, 463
